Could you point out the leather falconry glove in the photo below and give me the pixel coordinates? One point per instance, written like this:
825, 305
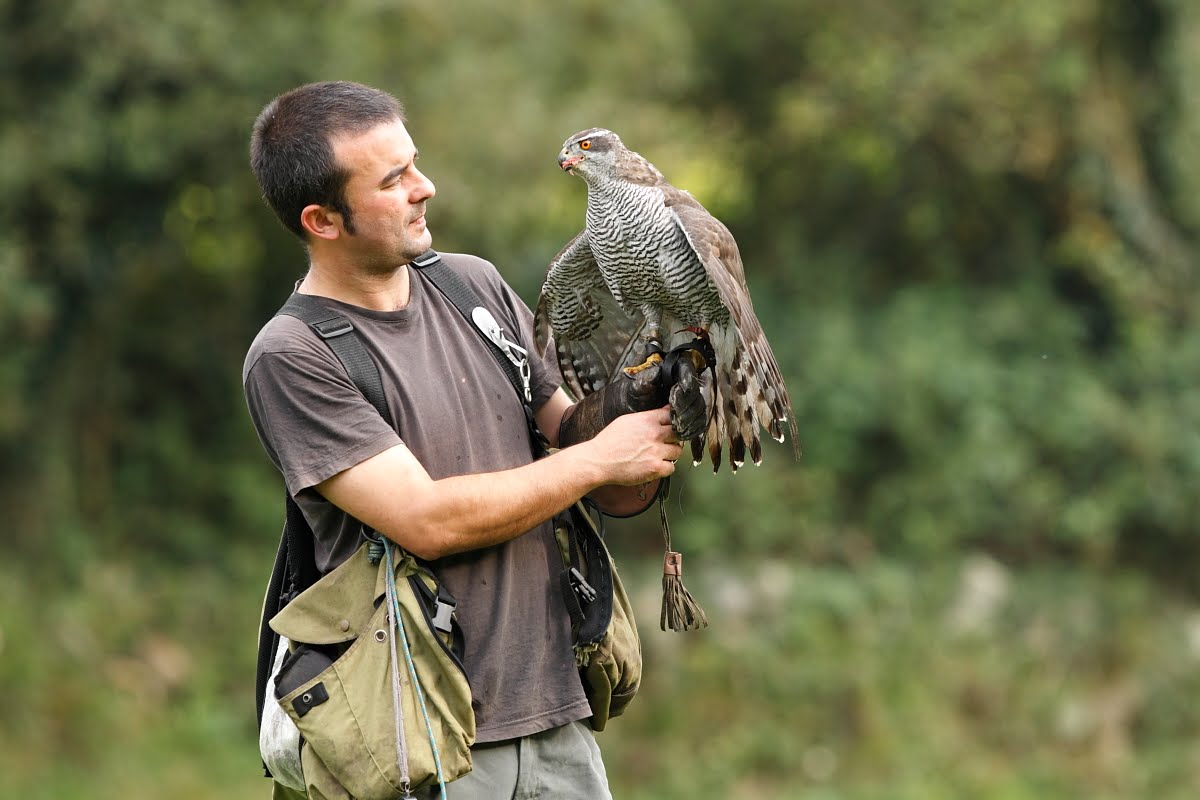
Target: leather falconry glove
648, 389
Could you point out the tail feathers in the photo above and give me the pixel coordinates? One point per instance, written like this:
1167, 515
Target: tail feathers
716, 429
746, 411
773, 406
733, 421
747, 395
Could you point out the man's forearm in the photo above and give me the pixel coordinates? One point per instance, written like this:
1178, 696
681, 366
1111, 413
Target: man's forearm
468, 512
393, 494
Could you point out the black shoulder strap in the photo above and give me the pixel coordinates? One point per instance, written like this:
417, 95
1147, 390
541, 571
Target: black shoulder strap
295, 561
464, 298
338, 333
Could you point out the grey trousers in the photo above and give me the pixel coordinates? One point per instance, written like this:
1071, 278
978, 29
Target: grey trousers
561, 763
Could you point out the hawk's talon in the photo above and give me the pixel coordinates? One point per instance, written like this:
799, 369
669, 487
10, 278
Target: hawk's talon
652, 360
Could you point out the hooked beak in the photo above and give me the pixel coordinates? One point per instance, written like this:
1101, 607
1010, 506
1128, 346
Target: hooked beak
567, 162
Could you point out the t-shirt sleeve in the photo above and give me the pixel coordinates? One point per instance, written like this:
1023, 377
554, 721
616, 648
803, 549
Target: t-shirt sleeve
310, 417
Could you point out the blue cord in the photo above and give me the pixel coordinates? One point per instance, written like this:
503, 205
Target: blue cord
412, 669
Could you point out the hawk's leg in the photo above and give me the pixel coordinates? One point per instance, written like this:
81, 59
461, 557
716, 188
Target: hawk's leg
653, 339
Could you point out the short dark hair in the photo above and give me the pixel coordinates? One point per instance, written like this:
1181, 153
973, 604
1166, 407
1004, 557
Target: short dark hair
290, 150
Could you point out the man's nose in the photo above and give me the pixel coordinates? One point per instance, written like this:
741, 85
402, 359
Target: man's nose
424, 188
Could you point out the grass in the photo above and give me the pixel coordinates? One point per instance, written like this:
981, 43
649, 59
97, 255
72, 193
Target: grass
889, 680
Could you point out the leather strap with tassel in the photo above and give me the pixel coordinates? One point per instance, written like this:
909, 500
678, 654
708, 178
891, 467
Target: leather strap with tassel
680, 611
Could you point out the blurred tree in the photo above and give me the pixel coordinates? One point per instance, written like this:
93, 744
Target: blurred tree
976, 203
970, 230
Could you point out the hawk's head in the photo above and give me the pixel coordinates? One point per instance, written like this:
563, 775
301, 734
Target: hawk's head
591, 152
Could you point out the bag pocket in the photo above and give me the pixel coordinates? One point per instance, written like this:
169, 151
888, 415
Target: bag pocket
302, 664
344, 706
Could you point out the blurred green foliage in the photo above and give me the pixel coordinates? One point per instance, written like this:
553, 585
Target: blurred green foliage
970, 230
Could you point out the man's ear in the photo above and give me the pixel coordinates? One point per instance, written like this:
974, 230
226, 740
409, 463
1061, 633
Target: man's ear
321, 222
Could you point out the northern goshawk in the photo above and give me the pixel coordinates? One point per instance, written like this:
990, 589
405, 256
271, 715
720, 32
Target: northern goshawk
652, 264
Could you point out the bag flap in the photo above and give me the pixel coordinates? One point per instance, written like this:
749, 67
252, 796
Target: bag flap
335, 608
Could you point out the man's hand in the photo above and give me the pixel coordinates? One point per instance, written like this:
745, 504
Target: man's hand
636, 448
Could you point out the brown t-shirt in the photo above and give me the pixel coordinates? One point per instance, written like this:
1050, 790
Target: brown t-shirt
454, 408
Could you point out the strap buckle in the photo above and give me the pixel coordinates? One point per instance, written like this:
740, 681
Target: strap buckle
329, 328
425, 259
443, 617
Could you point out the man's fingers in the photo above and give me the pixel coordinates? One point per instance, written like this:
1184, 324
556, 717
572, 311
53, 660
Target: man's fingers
662, 416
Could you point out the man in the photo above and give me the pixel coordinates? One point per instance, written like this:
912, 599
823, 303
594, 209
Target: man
450, 477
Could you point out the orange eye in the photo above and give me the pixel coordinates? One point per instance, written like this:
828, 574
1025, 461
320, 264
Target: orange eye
586, 144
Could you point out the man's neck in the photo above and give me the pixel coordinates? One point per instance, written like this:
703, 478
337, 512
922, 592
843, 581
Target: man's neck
384, 291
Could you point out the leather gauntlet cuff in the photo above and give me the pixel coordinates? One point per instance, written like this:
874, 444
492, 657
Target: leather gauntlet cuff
623, 396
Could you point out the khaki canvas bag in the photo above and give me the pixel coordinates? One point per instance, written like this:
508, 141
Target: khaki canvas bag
357, 740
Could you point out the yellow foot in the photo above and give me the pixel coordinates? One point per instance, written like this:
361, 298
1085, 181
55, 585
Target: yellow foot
654, 358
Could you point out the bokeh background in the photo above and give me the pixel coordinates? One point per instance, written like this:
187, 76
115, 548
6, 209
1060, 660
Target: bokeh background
971, 231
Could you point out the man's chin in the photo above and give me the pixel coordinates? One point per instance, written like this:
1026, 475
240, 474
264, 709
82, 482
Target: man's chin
420, 245
424, 241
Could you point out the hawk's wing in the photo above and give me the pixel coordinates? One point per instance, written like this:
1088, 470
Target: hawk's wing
593, 336
717, 250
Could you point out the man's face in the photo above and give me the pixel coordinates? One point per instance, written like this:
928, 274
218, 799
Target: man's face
386, 195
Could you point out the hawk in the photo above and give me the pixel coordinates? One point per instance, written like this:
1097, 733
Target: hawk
650, 265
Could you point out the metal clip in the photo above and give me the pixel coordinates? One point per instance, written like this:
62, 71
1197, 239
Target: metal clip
582, 588
487, 324
518, 355
525, 373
